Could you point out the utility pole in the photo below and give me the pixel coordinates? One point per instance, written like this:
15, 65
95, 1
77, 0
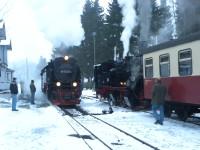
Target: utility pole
94, 42
27, 71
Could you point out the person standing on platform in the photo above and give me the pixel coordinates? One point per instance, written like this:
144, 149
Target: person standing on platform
33, 90
158, 99
14, 92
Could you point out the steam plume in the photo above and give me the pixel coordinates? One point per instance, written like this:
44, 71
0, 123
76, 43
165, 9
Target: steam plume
59, 20
129, 22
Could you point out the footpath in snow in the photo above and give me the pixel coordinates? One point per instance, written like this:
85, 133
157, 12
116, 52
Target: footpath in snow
33, 128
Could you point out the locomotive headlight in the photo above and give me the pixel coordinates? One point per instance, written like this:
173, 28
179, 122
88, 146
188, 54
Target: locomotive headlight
58, 84
66, 58
122, 83
74, 84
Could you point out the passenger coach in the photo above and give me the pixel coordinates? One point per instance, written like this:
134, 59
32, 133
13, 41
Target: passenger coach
177, 63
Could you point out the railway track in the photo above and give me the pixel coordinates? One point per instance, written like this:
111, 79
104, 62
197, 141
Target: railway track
89, 97
91, 128
113, 138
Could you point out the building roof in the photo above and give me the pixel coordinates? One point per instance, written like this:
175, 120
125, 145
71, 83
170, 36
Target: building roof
9, 70
5, 44
172, 43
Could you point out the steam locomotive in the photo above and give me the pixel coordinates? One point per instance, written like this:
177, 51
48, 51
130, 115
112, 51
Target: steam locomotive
110, 80
61, 81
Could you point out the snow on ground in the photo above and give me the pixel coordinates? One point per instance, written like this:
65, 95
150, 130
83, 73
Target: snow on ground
172, 135
86, 92
43, 128
33, 128
36, 129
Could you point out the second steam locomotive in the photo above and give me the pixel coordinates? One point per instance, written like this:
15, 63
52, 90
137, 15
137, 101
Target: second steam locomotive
61, 81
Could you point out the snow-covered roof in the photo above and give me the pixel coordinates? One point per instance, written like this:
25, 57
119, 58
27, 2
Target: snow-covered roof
7, 44
9, 70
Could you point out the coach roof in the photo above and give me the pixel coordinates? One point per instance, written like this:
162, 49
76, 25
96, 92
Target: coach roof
171, 43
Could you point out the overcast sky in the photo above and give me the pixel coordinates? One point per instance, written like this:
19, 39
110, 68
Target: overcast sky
36, 26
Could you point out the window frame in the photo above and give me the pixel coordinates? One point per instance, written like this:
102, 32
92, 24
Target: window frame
167, 54
179, 52
150, 58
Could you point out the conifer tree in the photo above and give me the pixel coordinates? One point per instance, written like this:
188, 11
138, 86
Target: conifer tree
87, 19
91, 47
114, 29
187, 17
158, 19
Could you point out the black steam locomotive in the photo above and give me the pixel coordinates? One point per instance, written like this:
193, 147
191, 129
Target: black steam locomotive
61, 81
119, 81
110, 80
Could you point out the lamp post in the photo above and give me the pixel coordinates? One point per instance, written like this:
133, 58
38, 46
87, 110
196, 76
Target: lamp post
94, 42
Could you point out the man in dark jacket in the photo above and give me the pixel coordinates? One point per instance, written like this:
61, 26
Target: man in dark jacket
158, 98
14, 92
33, 90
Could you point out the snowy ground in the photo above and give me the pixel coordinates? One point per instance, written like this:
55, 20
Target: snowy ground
35, 128
172, 135
41, 127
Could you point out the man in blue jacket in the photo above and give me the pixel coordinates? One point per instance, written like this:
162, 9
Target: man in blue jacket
14, 92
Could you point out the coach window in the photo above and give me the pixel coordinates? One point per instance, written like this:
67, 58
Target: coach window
164, 65
185, 62
149, 67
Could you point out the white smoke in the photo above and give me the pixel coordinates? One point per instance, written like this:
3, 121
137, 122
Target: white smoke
129, 22
59, 20
34, 27
145, 16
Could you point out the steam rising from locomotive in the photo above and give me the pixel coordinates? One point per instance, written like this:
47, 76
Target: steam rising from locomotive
129, 22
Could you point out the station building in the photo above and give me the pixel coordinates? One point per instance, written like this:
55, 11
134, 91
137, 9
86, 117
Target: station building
6, 73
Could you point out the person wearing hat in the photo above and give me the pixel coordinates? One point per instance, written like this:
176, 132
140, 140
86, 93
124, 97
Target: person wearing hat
14, 92
158, 98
